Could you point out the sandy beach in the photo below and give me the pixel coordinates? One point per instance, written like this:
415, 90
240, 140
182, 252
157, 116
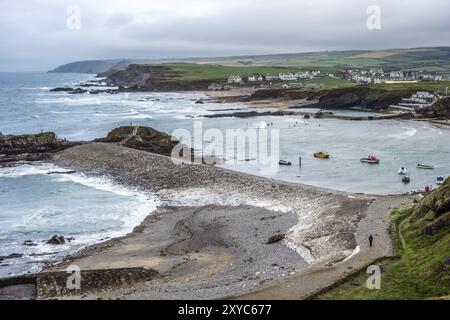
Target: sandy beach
222, 234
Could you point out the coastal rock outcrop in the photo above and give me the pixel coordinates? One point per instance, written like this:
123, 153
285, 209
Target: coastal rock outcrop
276, 238
31, 147
370, 98
62, 89
432, 214
441, 109
56, 240
142, 138
144, 77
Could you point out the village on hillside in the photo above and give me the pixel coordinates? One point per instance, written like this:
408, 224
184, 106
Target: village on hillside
417, 101
361, 76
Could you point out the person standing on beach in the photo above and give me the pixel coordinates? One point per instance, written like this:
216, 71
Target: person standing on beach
371, 240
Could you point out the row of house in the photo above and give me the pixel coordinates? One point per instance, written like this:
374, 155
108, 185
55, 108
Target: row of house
236, 79
417, 101
377, 75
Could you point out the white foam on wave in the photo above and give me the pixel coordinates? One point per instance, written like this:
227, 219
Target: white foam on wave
130, 210
72, 101
407, 133
201, 197
27, 169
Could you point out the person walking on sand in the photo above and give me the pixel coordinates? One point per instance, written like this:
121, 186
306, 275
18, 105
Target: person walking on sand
371, 240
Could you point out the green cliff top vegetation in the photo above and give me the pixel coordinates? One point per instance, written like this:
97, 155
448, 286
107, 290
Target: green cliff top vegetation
422, 240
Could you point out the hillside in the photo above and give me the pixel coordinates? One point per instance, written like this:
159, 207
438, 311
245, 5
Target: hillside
178, 76
348, 94
426, 59
96, 66
422, 269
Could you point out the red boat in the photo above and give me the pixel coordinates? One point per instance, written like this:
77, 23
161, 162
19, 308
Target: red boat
371, 159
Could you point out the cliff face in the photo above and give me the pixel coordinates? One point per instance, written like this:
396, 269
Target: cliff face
361, 97
369, 98
440, 110
137, 75
141, 77
432, 215
32, 147
91, 67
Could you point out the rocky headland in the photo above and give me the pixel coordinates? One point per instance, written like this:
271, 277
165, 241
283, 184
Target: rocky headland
31, 147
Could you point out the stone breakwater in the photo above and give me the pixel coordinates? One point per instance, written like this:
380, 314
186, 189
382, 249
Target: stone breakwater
327, 220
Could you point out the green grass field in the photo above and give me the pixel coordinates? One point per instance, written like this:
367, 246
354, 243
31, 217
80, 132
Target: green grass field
432, 86
432, 60
419, 273
187, 72
329, 83
193, 72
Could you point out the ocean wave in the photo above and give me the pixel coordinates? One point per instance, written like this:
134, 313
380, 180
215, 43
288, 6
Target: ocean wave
200, 197
51, 216
72, 101
407, 133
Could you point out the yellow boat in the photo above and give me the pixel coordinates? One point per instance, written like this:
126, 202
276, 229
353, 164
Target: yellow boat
322, 155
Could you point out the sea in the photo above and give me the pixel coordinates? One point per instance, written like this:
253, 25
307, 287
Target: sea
34, 205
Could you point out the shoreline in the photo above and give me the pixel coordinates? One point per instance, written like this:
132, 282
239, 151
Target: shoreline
326, 241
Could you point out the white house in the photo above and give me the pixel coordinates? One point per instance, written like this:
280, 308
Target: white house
378, 80
270, 77
303, 75
215, 87
234, 79
287, 77
361, 79
255, 77
396, 75
431, 77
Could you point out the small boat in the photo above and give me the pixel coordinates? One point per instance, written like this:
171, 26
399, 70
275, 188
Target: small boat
371, 160
439, 180
322, 155
403, 171
425, 166
284, 163
406, 179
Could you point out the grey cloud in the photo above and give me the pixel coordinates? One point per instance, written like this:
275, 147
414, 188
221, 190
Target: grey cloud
34, 35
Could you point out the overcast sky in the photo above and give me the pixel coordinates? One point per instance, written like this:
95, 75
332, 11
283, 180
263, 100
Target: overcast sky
34, 33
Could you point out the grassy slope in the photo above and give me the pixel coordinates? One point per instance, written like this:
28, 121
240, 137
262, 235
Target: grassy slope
419, 273
194, 72
190, 72
436, 59
440, 85
197, 72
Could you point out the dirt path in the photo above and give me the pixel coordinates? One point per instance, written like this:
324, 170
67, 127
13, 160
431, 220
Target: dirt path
131, 135
400, 233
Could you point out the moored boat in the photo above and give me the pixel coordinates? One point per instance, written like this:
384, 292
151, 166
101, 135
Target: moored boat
425, 166
406, 179
284, 163
322, 155
403, 171
371, 160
